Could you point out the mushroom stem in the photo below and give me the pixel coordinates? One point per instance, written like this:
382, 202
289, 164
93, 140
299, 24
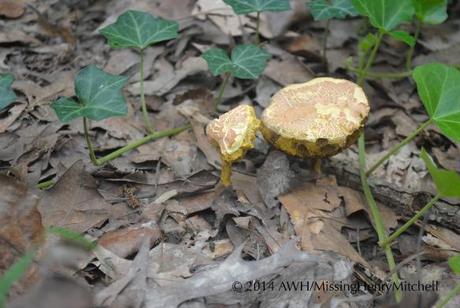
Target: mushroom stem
317, 167
226, 173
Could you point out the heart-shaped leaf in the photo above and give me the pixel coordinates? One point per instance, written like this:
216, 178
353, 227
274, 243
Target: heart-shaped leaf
324, 9
385, 14
454, 264
438, 86
139, 30
447, 181
403, 36
99, 97
251, 6
7, 95
430, 11
246, 62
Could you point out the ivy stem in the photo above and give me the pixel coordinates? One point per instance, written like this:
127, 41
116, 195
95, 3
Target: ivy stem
386, 75
376, 216
258, 28
410, 222
452, 293
131, 146
218, 99
398, 147
410, 53
325, 37
92, 154
145, 113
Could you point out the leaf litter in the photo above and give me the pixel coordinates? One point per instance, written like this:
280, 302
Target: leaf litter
187, 240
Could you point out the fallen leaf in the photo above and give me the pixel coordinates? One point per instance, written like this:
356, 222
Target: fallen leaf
310, 207
21, 228
287, 70
13, 114
127, 241
73, 202
11, 8
168, 77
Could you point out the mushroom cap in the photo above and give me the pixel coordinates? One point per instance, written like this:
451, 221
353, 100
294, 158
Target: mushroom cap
315, 119
234, 132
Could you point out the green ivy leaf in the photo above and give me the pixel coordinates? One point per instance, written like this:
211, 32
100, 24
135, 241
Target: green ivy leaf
7, 95
438, 86
99, 95
218, 61
430, 11
13, 274
385, 14
454, 264
139, 30
447, 181
324, 9
403, 36
246, 62
251, 6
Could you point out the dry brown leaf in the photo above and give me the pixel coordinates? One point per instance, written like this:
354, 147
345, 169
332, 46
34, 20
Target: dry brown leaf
13, 114
74, 201
168, 77
12, 8
21, 228
310, 209
287, 71
127, 241
223, 16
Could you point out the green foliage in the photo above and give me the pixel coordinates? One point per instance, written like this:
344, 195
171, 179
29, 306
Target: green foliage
13, 274
403, 36
247, 61
430, 11
99, 97
139, 30
251, 6
366, 43
73, 236
454, 264
7, 95
447, 181
385, 15
325, 9
438, 86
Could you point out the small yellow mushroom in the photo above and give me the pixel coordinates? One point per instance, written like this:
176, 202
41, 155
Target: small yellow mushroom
316, 119
234, 134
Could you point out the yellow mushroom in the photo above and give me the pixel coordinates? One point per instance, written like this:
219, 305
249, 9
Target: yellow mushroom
316, 119
234, 134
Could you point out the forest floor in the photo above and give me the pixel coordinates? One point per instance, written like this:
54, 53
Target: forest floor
167, 232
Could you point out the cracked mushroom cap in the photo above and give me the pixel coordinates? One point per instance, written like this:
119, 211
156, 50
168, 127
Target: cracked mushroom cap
234, 132
319, 118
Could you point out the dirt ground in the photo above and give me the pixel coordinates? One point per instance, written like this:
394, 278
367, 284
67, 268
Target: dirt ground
168, 234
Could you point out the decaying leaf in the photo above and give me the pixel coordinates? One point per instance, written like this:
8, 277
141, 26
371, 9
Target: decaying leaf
74, 202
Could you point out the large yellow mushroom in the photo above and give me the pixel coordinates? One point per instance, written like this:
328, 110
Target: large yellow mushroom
316, 119
234, 134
